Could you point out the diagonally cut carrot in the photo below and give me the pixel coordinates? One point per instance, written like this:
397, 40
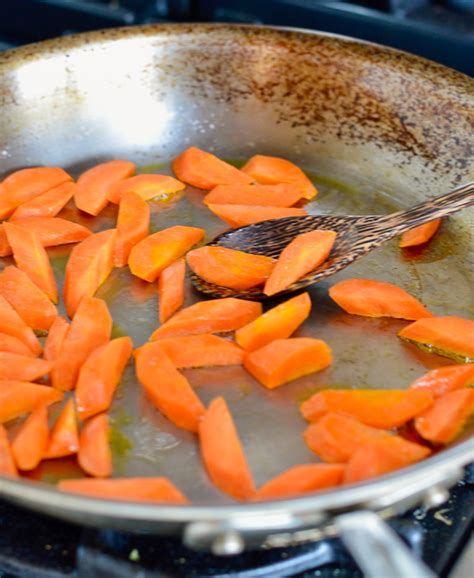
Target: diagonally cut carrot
14, 345
100, 375
31, 257
22, 368
419, 235
94, 184
222, 452
19, 397
277, 323
12, 324
145, 186
133, 223
201, 351
302, 255
7, 464
375, 407
230, 268
31, 441
376, 299
31, 304
64, 437
90, 328
89, 265
49, 204
56, 336
446, 379
205, 171
282, 195
150, 256
167, 388
213, 316
95, 455
171, 289
302, 479
284, 360
241, 215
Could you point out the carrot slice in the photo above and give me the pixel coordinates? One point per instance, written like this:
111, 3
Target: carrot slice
282, 195
28, 300
444, 420
94, 184
12, 324
150, 256
31, 257
128, 489
284, 360
7, 464
49, 204
64, 438
89, 265
167, 388
14, 345
19, 397
336, 437
100, 375
299, 257
376, 407
31, 441
94, 455
449, 336
376, 299
277, 323
90, 328
222, 452
26, 184
171, 289
205, 171
56, 336
271, 170
21, 367
201, 351
230, 268
241, 215
145, 186
420, 235
302, 479
133, 222
445, 379
382, 456
213, 316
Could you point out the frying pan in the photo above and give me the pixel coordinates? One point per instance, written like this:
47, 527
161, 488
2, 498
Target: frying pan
378, 130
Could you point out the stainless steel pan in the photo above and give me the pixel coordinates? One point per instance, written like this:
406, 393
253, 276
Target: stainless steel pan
377, 128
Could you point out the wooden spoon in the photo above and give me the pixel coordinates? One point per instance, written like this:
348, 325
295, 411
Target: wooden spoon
356, 236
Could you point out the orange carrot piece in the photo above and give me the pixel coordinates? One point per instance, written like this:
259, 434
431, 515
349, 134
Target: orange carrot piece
271, 170
449, 336
336, 437
150, 256
94, 184
171, 289
94, 455
64, 437
100, 375
277, 323
375, 407
31, 257
31, 441
7, 464
302, 479
90, 328
128, 489
49, 204
241, 215
56, 336
445, 379
167, 388
376, 299
230, 268
14, 345
133, 223
282, 195
22, 368
145, 186
201, 351
19, 397
205, 171
89, 265
284, 360
382, 456
419, 235
299, 257
213, 316
222, 452
28, 300
12, 324
444, 420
